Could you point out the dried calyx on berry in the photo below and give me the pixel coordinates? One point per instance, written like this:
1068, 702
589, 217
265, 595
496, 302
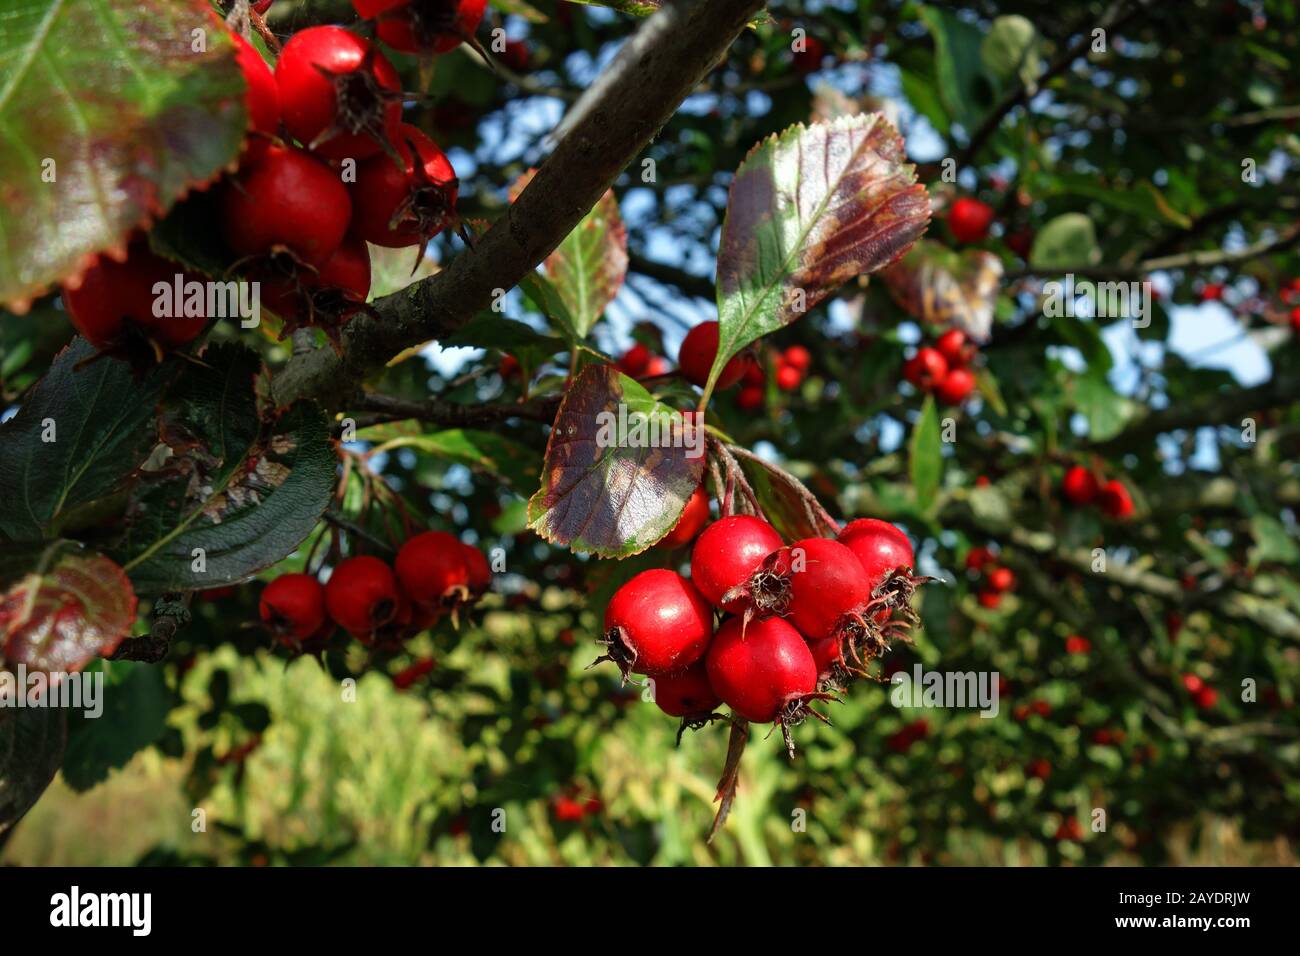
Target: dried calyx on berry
656, 624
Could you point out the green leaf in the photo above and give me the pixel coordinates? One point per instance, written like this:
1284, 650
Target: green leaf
1010, 51
31, 749
491, 330
546, 298
244, 491
135, 707
1084, 335
1106, 410
477, 449
520, 8
809, 210
1066, 241
1272, 541
390, 269
589, 266
959, 66
637, 8
76, 440
131, 115
607, 491
926, 456
72, 607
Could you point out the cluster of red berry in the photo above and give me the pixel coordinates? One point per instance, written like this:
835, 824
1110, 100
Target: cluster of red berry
1205, 696
944, 368
797, 620
982, 563
789, 370
1081, 487
573, 804
434, 574
327, 166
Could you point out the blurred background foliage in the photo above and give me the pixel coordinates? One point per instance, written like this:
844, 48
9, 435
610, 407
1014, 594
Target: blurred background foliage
1147, 141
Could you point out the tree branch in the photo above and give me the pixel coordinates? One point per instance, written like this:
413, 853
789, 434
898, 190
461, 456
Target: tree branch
454, 414
617, 116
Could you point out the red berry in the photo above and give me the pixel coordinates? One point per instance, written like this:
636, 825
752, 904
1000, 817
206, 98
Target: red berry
750, 398
658, 366
1021, 242
759, 673
361, 595
262, 98
754, 374
879, 546
926, 368
990, 599
509, 368
969, 219
423, 26
809, 59
1193, 684
979, 557
1212, 292
117, 298
567, 809
339, 95
1002, 579
286, 201
1080, 487
956, 386
516, 55
1206, 698
477, 569
658, 623
1074, 644
1042, 708
827, 653
788, 378
1115, 500
694, 517
328, 297
1069, 830
955, 347
827, 581
1295, 319
1041, 768
432, 569
404, 207
699, 349
293, 606
798, 356
635, 360
686, 694
727, 554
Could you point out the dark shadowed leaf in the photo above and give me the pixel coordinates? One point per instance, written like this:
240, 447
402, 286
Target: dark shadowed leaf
611, 494
936, 285
130, 112
71, 608
477, 449
79, 435
491, 330
809, 210
31, 749
788, 506
135, 707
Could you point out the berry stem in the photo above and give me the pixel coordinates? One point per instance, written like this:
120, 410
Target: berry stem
730, 778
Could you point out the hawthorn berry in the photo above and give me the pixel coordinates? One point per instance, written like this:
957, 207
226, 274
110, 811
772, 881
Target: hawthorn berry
1021, 242
1206, 698
989, 598
1294, 319
880, 547
1075, 644
764, 671
955, 347
1193, 684
432, 569
726, 557
798, 357
262, 98
293, 607
516, 55
1212, 292
750, 398
695, 515
956, 386
329, 296
978, 558
809, 59
635, 361
285, 201
926, 368
698, 351
340, 97
969, 219
361, 595
788, 378
657, 623
1002, 580
408, 206
827, 582
1079, 486
1115, 500
478, 570
686, 693
423, 26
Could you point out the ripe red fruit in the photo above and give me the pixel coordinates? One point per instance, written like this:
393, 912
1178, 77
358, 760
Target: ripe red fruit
423, 26
1079, 486
827, 581
809, 59
828, 654
1206, 698
969, 219
989, 599
956, 386
978, 557
1115, 500
404, 207
1002, 579
115, 299
293, 606
1040, 768
477, 569
361, 595
657, 623
1021, 242
1295, 319
955, 347
509, 368
754, 375
750, 398
567, 809
926, 368
328, 297
286, 201
339, 95
879, 546
432, 569
1069, 830
262, 98
699, 349
635, 360
1212, 292
798, 357
1042, 708
694, 517
788, 378
1193, 684
686, 694
658, 366
727, 554
762, 672
516, 55
1074, 644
